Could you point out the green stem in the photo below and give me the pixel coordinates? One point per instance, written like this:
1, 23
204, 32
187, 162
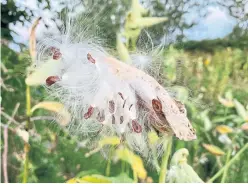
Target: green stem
109, 162
228, 164
163, 168
108, 167
26, 145
135, 177
223, 179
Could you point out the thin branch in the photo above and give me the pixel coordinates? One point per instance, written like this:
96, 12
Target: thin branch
9, 89
9, 118
3, 67
5, 154
37, 118
14, 112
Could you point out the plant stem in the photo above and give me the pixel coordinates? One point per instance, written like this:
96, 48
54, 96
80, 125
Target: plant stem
26, 145
228, 164
226, 169
109, 161
5, 154
135, 177
163, 168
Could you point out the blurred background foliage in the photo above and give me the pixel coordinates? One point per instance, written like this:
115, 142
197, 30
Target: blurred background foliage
209, 76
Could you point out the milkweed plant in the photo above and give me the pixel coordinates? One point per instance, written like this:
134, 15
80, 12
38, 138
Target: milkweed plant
114, 101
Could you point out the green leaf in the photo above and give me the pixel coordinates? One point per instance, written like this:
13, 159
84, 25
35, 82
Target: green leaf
241, 110
122, 178
206, 120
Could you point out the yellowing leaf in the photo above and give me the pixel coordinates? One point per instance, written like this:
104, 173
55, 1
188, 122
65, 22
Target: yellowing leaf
105, 141
153, 137
64, 116
39, 75
214, 149
223, 129
95, 178
109, 140
74, 180
225, 102
134, 160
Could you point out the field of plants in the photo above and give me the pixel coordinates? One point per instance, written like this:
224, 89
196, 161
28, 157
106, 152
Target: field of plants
210, 77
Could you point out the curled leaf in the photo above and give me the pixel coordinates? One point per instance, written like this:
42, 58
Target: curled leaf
105, 141
226, 102
134, 160
32, 40
64, 116
241, 110
214, 149
224, 129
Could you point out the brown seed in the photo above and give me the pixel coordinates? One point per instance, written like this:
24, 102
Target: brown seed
157, 106
121, 95
121, 119
51, 80
90, 58
111, 106
56, 53
100, 116
136, 126
130, 106
89, 113
113, 119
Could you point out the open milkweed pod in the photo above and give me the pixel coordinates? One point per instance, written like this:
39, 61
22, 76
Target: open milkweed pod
106, 96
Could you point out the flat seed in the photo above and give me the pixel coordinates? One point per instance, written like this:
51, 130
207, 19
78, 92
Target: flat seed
121, 119
136, 126
100, 116
90, 58
111, 106
157, 106
51, 80
56, 53
89, 113
113, 119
